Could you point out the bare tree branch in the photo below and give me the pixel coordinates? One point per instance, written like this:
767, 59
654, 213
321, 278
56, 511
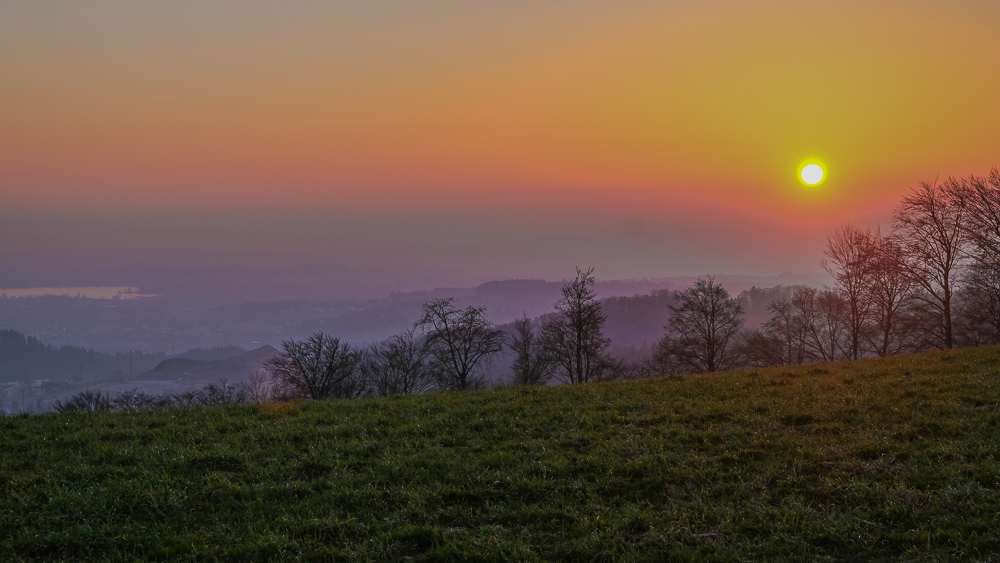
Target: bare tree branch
931, 232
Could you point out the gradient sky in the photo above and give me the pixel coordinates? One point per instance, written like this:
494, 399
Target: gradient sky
488, 139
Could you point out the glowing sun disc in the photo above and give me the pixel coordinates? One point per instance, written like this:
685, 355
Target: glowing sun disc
812, 174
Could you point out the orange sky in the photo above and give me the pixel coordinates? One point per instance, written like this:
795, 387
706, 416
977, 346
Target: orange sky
536, 114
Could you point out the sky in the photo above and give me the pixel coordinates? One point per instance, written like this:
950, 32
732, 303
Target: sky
480, 140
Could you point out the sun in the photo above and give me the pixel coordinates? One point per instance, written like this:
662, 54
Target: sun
812, 173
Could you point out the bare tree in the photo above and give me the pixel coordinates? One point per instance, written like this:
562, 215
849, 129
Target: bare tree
531, 366
138, 400
760, 349
851, 254
980, 298
398, 366
930, 229
787, 328
981, 198
223, 394
821, 315
830, 330
979, 320
704, 328
458, 340
573, 340
662, 360
888, 289
321, 367
86, 401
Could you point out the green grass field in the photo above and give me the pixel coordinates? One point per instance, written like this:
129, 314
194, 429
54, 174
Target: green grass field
892, 459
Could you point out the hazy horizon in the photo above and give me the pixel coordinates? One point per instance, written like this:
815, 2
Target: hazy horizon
388, 254
449, 144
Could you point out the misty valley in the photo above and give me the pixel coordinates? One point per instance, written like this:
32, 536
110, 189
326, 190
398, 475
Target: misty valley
54, 346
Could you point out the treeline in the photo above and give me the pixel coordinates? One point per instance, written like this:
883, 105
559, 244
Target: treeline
453, 349
932, 281
213, 395
448, 348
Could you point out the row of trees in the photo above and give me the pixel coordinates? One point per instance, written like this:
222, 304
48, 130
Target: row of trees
446, 348
135, 400
450, 348
933, 281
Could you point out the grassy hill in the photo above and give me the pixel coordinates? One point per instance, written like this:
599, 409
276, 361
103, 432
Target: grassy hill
855, 461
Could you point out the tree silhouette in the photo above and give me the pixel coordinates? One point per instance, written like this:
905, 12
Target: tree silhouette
981, 199
931, 232
851, 256
786, 326
531, 366
398, 366
888, 290
574, 339
704, 327
981, 293
458, 340
321, 367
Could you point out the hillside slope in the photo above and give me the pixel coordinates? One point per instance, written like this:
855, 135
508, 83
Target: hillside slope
232, 369
855, 461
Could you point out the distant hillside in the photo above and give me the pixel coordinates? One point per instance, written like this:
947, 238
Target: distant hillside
25, 358
232, 369
215, 353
